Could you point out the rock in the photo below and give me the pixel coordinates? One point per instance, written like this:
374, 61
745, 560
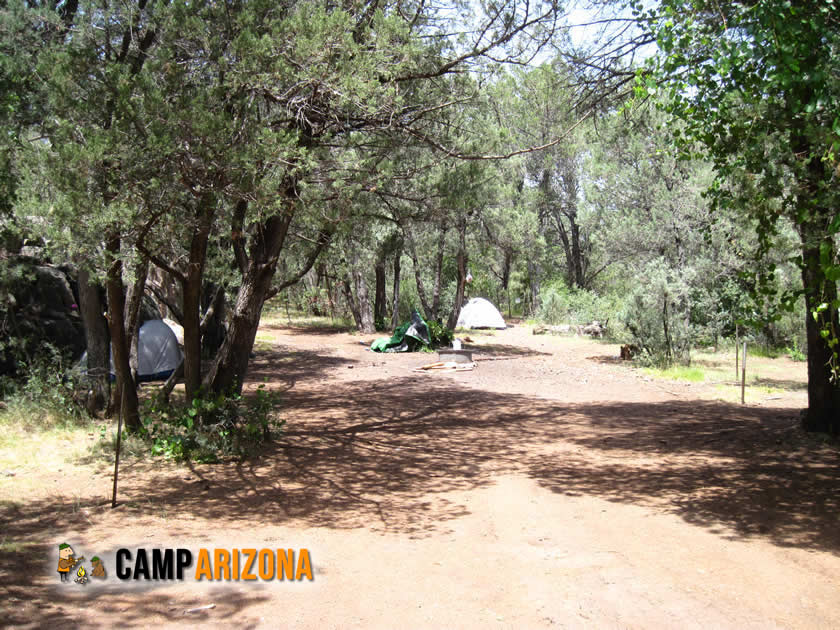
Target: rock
595, 329
628, 351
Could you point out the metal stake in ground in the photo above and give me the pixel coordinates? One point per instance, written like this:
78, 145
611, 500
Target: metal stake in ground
743, 371
119, 440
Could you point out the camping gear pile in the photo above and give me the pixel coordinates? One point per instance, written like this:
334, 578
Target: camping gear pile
411, 336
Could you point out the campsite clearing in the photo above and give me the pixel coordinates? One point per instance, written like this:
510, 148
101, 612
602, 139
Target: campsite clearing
551, 486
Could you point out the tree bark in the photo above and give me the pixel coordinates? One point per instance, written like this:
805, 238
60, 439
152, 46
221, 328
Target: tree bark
227, 374
213, 320
91, 308
823, 413
462, 273
380, 300
352, 304
134, 298
441, 244
395, 309
192, 282
119, 342
421, 289
362, 296
534, 273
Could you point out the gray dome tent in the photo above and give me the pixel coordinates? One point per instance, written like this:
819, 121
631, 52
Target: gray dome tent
158, 354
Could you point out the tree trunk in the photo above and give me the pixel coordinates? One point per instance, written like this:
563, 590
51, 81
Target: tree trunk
823, 413
421, 289
380, 298
362, 297
119, 342
228, 371
352, 304
462, 273
212, 328
134, 298
395, 310
534, 273
191, 305
578, 263
227, 374
441, 244
91, 308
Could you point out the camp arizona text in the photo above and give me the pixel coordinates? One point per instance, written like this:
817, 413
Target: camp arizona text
214, 564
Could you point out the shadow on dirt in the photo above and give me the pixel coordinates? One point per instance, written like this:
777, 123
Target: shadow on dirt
787, 385
55, 605
289, 365
383, 454
308, 329
500, 350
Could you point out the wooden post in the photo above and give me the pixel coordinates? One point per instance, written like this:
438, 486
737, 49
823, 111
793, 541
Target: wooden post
743, 371
119, 441
736, 353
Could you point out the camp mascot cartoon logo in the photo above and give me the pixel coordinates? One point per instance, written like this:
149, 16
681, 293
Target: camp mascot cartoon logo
69, 564
156, 565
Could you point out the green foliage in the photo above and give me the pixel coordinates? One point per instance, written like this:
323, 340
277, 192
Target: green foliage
754, 87
560, 305
210, 428
44, 391
439, 335
657, 316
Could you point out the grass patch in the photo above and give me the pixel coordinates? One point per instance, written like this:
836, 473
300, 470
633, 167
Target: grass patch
39, 436
678, 373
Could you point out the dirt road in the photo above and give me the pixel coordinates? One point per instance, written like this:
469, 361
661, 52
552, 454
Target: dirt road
549, 487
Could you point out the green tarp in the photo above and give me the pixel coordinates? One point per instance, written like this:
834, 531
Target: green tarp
408, 337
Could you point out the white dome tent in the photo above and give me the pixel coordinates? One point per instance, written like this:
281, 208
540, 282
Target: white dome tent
480, 313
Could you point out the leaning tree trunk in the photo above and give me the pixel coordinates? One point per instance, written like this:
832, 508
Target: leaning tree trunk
91, 308
119, 341
823, 413
418, 279
350, 298
462, 273
227, 373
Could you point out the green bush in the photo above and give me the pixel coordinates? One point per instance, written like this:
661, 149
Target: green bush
44, 391
210, 428
656, 316
560, 305
439, 335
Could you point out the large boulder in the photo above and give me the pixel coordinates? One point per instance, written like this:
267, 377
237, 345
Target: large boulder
42, 309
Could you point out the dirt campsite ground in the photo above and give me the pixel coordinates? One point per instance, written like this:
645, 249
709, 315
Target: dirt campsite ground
552, 486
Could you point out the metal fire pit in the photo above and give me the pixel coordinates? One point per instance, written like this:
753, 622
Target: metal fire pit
458, 356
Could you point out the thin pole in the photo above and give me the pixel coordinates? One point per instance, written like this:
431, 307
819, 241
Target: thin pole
119, 440
736, 353
743, 371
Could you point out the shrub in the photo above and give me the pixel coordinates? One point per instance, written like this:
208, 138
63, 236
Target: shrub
210, 428
44, 391
574, 306
439, 335
657, 317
